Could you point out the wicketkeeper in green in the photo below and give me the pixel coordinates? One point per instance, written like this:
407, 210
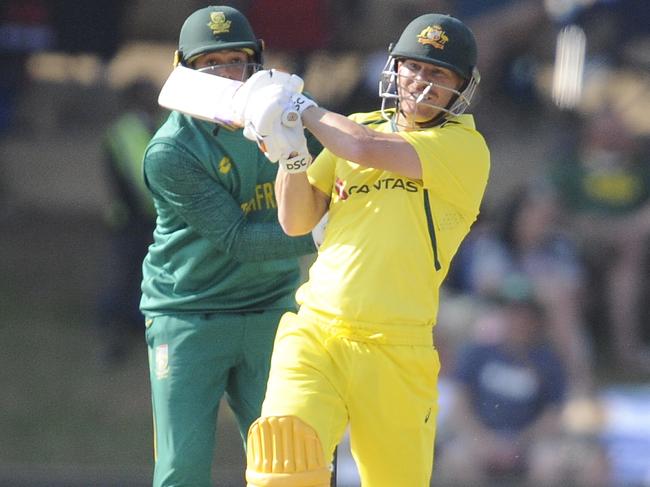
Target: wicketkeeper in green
220, 271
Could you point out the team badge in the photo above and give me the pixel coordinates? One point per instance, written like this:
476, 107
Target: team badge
225, 165
433, 36
162, 361
218, 23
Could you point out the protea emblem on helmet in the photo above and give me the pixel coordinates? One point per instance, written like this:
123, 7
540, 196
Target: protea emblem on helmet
226, 28
433, 35
218, 23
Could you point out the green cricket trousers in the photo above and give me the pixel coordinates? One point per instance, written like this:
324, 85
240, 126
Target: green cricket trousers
193, 360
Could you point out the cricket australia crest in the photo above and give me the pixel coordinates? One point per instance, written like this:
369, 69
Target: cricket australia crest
434, 36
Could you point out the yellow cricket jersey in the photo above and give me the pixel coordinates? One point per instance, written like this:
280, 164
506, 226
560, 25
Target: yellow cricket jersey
390, 239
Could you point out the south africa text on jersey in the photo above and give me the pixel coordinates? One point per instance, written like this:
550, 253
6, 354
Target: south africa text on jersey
264, 199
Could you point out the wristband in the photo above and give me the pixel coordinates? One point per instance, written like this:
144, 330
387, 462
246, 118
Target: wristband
300, 102
296, 163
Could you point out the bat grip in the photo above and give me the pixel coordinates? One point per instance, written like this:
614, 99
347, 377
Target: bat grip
290, 118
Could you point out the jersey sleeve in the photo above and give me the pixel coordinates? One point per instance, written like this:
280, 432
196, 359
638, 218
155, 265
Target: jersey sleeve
321, 173
455, 163
209, 209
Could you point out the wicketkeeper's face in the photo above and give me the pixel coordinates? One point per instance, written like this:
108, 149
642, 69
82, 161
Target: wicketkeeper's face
231, 64
425, 88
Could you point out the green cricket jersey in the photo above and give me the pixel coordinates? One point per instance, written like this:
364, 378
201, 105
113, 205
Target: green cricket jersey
217, 244
607, 186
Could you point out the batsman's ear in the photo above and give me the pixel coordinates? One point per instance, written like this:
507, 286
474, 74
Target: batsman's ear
178, 57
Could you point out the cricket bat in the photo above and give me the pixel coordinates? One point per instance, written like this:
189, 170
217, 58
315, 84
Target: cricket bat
206, 97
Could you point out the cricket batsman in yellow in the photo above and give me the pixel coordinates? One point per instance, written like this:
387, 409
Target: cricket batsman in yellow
402, 187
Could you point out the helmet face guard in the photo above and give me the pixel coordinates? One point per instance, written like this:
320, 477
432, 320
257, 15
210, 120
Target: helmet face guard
389, 92
440, 40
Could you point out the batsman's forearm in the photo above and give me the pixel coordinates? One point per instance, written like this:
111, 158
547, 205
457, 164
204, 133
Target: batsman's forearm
299, 208
354, 142
342, 136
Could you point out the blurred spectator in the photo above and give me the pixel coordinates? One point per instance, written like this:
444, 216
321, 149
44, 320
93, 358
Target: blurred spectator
610, 24
131, 217
604, 184
622, 417
616, 56
509, 394
25, 27
527, 242
511, 31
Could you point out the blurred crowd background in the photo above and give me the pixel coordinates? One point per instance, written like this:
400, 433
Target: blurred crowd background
544, 328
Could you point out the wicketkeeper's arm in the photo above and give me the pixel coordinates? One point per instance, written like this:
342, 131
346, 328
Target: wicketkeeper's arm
210, 210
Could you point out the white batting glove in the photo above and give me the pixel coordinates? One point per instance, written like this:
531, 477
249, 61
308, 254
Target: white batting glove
263, 121
264, 115
297, 158
282, 144
257, 82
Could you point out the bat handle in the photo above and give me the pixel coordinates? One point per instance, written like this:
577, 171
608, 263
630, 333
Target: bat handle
290, 118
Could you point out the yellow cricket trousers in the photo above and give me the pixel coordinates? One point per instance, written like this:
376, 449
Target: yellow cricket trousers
379, 379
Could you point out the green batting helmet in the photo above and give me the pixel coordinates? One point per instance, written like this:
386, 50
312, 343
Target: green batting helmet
441, 40
215, 28
437, 39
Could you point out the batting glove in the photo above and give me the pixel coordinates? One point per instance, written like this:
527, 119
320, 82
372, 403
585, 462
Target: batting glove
298, 157
259, 81
263, 124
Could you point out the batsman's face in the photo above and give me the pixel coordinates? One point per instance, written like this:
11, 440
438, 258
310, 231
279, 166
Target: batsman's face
229, 64
425, 88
